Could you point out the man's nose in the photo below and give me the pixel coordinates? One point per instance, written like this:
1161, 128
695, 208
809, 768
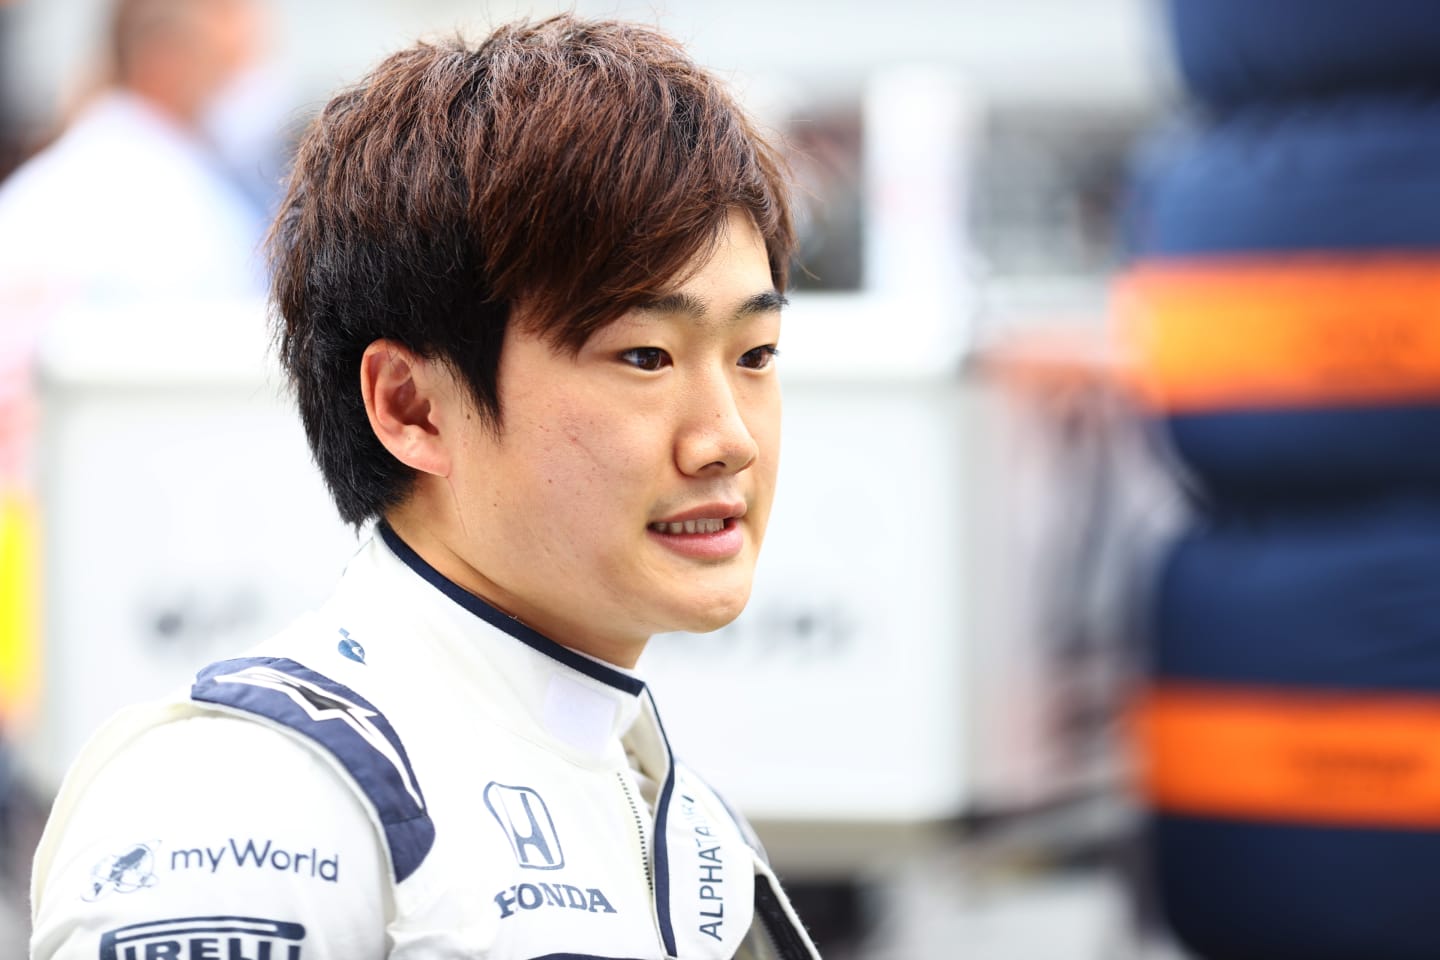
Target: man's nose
715, 437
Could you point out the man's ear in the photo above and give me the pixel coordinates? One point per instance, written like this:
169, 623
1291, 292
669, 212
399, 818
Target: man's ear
406, 397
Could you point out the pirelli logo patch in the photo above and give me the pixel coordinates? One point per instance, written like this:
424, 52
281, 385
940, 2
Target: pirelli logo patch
204, 938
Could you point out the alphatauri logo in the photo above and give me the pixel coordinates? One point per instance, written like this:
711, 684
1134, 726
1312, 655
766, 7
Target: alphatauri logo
523, 816
233, 938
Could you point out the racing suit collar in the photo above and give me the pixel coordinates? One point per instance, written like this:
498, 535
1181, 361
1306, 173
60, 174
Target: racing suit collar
584, 704
595, 669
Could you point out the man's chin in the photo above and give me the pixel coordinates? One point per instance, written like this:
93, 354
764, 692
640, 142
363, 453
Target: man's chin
713, 612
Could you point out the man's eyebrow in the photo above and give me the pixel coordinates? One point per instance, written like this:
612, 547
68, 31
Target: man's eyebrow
696, 308
763, 303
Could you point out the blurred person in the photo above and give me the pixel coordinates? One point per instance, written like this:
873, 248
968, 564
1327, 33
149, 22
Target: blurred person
133, 201
528, 297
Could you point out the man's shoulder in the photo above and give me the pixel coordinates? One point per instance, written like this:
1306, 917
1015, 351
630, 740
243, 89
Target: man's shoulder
205, 816
352, 732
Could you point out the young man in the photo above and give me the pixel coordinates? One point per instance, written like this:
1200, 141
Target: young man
529, 297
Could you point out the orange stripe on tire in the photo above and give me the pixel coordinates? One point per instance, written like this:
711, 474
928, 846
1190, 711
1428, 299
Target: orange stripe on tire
1282, 755
1295, 332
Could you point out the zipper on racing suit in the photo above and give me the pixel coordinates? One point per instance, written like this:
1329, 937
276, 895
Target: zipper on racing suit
644, 847
639, 831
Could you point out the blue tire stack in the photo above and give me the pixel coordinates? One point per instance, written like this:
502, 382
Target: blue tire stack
1283, 301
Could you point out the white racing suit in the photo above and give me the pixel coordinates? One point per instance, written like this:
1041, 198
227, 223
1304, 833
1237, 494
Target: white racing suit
405, 773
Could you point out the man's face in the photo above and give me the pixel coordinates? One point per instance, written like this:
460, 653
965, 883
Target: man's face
628, 489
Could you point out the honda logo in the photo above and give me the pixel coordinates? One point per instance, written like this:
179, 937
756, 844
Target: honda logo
523, 816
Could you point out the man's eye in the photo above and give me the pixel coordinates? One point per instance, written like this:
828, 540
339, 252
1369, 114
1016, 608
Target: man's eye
646, 358
760, 357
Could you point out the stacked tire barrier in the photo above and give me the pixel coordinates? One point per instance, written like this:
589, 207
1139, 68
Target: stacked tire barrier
1283, 302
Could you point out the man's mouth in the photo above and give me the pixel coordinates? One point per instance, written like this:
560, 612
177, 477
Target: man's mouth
709, 525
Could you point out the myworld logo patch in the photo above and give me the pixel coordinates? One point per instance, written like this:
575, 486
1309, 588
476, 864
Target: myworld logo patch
257, 854
194, 938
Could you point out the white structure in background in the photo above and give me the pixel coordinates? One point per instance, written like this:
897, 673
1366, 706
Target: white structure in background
921, 125
183, 518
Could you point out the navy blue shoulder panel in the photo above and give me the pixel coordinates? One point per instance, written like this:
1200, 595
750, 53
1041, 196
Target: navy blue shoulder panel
345, 724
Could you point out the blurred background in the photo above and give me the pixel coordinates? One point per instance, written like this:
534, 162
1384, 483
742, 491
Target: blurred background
1098, 617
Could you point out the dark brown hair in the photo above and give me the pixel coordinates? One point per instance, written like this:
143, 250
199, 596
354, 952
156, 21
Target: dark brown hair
571, 168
